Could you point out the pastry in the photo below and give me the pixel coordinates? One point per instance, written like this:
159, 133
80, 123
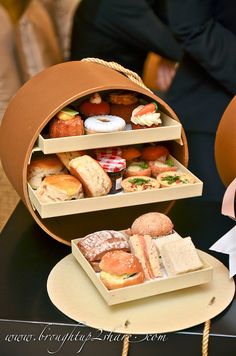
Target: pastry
139, 183
120, 269
153, 153
41, 167
95, 180
103, 124
122, 104
95, 245
94, 106
180, 257
60, 187
143, 247
145, 116
158, 167
66, 123
174, 179
66, 157
130, 153
153, 224
138, 168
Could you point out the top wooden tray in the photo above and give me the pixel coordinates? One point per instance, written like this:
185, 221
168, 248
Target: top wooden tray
170, 130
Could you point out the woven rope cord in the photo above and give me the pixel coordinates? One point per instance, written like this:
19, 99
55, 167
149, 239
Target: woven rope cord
125, 349
205, 337
134, 77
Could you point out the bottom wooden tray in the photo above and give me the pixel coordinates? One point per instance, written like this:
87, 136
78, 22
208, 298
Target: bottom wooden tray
73, 293
146, 289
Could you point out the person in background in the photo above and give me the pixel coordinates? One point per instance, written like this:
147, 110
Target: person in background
125, 31
206, 79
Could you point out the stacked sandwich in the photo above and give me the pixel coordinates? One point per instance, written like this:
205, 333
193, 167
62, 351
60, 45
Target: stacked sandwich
150, 249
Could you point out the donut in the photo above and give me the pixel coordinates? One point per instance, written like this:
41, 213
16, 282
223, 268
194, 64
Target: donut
103, 123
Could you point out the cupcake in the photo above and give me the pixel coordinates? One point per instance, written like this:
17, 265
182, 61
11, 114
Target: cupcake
122, 104
145, 116
94, 106
67, 122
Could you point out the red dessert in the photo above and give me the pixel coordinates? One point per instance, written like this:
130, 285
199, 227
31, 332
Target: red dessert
94, 106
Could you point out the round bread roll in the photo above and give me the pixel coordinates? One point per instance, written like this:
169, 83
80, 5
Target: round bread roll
120, 269
153, 224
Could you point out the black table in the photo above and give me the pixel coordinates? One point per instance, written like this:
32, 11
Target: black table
30, 324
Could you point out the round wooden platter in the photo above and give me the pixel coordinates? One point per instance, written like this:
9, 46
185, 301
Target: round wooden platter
72, 292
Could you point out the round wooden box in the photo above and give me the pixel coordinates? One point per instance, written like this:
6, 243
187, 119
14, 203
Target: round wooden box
31, 109
225, 144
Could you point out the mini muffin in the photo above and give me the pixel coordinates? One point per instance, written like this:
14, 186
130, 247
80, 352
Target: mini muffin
138, 168
122, 104
94, 106
67, 122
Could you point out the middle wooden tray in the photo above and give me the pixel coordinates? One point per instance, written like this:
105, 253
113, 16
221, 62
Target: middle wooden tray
49, 210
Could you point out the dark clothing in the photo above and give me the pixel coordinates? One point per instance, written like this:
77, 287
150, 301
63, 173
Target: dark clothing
123, 31
206, 80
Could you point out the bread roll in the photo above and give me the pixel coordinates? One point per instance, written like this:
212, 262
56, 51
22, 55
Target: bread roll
153, 224
120, 269
60, 188
95, 180
42, 167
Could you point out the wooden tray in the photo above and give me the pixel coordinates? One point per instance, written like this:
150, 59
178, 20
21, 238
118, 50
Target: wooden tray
48, 210
146, 289
170, 130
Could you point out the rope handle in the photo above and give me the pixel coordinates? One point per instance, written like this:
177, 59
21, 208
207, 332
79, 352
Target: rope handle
134, 77
205, 340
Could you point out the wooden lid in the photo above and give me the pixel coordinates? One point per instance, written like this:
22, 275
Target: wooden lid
36, 102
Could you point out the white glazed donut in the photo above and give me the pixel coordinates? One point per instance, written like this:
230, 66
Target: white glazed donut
104, 123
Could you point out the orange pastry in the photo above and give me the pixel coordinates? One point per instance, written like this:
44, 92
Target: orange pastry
122, 104
67, 122
153, 153
130, 153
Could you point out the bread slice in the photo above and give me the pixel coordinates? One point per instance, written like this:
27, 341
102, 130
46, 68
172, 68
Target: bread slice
160, 241
144, 248
180, 257
95, 180
66, 157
